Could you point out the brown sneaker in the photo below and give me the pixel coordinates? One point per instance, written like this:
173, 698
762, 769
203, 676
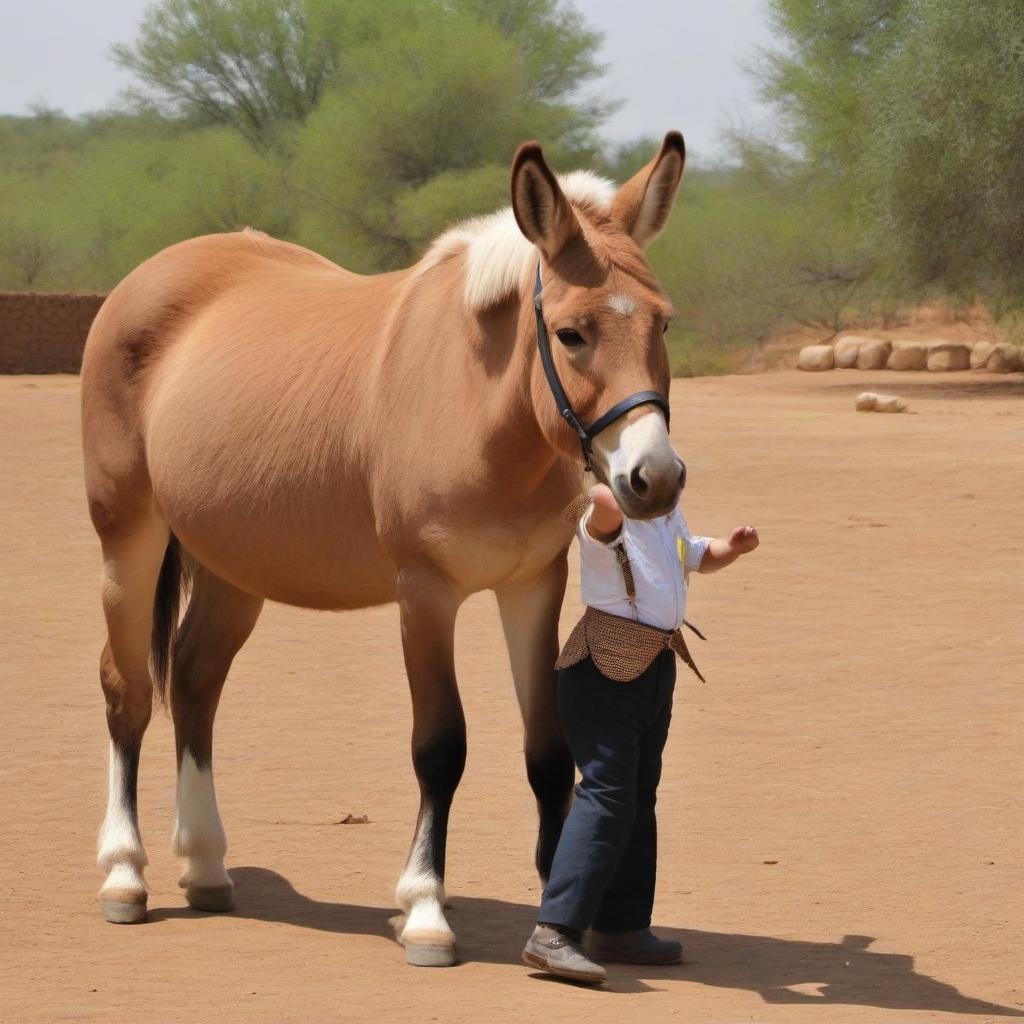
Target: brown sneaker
641, 946
557, 953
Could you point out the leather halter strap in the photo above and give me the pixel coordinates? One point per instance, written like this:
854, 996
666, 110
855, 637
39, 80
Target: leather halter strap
586, 434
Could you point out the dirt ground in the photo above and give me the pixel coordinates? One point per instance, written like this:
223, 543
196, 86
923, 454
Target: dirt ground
841, 812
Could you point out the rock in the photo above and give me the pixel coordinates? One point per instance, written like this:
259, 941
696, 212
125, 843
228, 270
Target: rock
873, 355
980, 353
1005, 358
847, 348
816, 357
890, 403
908, 355
947, 355
868, 401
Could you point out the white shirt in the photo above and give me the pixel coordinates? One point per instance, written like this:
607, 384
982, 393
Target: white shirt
654, 548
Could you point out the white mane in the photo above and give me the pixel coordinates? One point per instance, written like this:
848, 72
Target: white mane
497, 254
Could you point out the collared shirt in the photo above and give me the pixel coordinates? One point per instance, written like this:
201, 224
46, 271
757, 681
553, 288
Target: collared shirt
661, 552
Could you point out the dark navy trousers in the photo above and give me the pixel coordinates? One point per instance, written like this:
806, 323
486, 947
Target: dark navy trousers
604, 869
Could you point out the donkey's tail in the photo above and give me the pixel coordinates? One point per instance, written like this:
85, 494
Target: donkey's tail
166, 608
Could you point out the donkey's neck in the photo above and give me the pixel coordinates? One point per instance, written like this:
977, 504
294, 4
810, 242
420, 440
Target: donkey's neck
488, 359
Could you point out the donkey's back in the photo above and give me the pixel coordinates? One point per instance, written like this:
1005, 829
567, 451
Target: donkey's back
144, 313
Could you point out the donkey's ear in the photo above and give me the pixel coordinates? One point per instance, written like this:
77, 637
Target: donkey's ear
539, 204
642, 206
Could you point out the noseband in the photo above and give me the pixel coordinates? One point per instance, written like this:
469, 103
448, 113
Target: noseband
565, 409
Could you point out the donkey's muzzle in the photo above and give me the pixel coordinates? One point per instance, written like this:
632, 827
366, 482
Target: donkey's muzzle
651, 488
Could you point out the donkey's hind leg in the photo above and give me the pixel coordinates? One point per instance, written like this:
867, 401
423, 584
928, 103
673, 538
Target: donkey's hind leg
131, 567
218, 621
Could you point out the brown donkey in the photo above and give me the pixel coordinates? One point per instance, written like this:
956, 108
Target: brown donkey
260, 424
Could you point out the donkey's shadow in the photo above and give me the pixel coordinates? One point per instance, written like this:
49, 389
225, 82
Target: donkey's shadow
779, 970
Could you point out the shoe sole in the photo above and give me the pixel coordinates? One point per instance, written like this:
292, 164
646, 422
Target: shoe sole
532, 960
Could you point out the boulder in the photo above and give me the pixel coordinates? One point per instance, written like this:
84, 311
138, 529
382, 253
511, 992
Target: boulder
847, 348
816, 357
873, 355
890, 403
948, 355
1005, 358
908, 355
868, 401
980, 353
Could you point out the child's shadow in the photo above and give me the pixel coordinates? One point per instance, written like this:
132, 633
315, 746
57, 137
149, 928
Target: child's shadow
779, 970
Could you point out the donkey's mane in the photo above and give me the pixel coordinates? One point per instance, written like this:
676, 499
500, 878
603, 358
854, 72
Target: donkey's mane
497, 254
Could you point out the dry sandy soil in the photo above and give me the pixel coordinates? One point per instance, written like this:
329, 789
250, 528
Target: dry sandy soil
841, 813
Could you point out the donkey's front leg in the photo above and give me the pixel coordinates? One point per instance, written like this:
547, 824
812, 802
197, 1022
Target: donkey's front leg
428, 605
529, 615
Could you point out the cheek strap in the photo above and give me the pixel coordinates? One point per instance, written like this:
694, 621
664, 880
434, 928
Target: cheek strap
586, 434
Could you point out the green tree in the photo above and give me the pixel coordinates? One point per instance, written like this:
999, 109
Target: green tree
912, 113
259, 66
421, 131
249, 64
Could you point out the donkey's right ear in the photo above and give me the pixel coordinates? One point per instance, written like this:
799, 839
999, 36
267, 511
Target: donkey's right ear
542, 212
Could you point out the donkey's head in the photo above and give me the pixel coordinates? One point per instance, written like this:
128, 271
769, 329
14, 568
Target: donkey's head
606, 316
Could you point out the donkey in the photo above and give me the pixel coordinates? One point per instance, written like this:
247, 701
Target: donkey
260, 424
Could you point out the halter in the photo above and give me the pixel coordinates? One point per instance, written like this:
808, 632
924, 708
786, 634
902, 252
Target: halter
565, 409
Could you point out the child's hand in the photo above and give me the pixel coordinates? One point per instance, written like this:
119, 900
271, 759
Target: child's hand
743, 539
723, 551
605, 518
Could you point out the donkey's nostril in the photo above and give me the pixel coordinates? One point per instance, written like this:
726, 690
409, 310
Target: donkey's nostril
637, 482
682, 474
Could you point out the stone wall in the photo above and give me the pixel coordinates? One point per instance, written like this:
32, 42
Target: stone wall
44, 333
856, 352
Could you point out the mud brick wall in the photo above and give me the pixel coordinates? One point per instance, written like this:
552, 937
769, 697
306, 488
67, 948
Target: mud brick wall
44, 333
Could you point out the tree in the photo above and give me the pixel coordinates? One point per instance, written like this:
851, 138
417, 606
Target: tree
912, 111
421, 129
262, 65
249, 64
559, 53
27, 249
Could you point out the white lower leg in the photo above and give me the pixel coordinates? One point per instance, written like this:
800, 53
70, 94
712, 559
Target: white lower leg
420, 894
198, 832
120, 852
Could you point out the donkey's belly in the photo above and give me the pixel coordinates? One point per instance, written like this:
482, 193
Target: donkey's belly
265, 516
327, 560
304, 567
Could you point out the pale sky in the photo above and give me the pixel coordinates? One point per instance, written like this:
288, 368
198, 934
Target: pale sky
676, 63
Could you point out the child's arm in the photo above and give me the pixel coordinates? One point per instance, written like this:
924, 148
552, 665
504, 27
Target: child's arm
723, 551
605, 519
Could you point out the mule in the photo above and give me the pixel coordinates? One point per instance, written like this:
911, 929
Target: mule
260, 424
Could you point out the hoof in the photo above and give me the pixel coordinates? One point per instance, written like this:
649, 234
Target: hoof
214, 899
123, 911
429, 954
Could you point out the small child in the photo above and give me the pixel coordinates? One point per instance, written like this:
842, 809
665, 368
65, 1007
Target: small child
617, 673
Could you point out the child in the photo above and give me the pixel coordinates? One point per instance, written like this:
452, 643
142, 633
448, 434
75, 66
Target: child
617, 673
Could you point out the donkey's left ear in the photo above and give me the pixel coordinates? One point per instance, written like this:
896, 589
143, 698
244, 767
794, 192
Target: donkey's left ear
642, 206
541, 210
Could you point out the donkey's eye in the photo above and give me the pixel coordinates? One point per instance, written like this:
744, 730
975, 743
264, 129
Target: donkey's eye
570, 339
